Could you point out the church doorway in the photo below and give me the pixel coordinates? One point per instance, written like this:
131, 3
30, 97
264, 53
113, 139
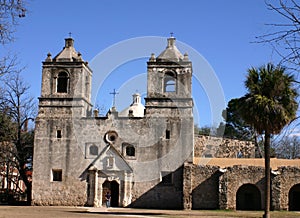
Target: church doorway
248, 197
294, 198
113, 188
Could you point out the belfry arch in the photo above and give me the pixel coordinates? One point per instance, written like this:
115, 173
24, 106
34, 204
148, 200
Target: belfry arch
62, 84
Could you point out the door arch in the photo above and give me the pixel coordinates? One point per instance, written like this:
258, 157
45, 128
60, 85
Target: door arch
248, 197
113, 188
294, 198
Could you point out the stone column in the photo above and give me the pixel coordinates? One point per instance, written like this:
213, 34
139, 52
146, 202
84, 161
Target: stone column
187, 186
223, 204
275, 191
93, 187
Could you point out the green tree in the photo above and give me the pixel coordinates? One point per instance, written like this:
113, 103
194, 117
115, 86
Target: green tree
269, 105
235, 126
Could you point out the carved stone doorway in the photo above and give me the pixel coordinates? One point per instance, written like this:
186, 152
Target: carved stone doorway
113, 188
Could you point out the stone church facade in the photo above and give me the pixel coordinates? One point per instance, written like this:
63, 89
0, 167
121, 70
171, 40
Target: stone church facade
145, 156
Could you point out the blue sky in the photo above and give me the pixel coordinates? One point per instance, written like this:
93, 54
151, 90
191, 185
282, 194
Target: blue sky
220, 31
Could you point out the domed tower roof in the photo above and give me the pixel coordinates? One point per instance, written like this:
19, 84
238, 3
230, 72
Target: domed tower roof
171, 53
68, 54
136, 109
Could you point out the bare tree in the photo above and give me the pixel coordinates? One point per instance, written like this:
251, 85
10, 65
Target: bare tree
288, 147
19, 108
285, 37
10, 12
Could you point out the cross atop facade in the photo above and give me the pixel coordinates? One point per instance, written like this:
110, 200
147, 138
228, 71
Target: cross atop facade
70, 35
114, 93
171, 33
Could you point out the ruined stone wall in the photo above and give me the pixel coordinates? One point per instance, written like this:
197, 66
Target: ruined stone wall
208, 146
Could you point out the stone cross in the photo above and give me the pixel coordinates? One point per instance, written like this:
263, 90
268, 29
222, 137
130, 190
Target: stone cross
114, 93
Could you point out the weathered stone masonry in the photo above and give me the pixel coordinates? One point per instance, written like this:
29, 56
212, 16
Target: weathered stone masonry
150, 159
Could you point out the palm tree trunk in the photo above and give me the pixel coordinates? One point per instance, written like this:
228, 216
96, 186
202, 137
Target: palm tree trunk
267, 175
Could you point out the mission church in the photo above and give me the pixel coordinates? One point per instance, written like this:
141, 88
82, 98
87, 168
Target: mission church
146, 155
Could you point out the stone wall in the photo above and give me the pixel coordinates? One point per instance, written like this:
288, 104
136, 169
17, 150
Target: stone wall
159, 194
283, 181
205, 187
208, 146
233, 178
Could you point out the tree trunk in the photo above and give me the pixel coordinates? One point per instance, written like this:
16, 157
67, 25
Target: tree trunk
267, 175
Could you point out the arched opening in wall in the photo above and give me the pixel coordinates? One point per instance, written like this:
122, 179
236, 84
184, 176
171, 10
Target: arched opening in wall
113, 188
62, 82
294, 198
169, 82
248, 197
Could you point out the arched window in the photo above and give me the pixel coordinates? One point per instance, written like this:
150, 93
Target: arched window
62, 82
93, 150
169, 82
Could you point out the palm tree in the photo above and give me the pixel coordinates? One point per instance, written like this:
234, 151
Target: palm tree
269, 105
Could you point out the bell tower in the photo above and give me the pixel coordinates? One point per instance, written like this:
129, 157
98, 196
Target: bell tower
169, 103
66, 83
169, 83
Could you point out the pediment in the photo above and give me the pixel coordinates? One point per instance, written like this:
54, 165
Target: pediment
111, 160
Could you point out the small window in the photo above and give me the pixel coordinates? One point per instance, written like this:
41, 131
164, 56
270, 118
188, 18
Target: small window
130, 151
93, 150
58, 134
62, 82
168, 134
169, 83
56, 175
167, 178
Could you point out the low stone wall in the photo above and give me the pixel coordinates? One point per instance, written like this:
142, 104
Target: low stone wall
208, 146
212, 187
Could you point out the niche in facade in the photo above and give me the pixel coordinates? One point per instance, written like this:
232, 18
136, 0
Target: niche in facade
91, 150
